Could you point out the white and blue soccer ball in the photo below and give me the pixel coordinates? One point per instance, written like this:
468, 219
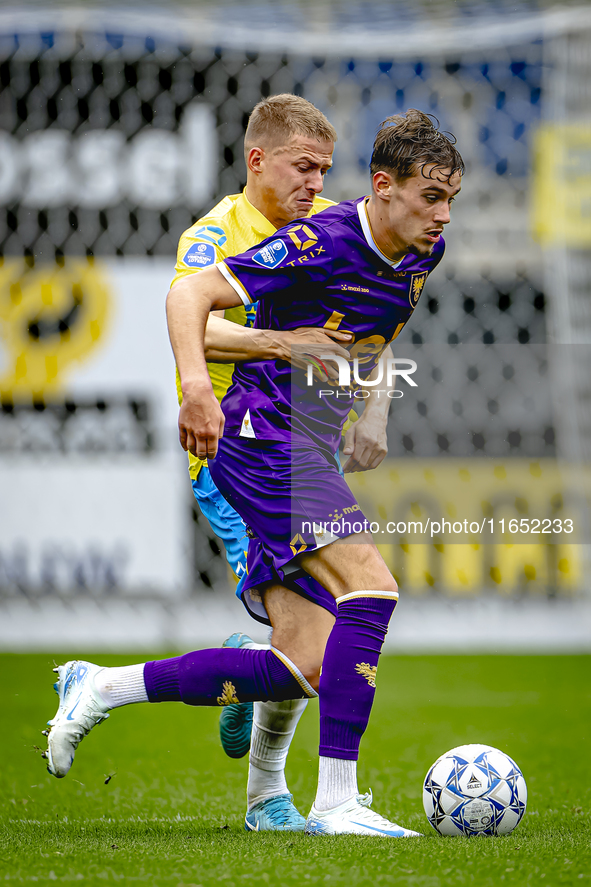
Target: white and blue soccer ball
474, 790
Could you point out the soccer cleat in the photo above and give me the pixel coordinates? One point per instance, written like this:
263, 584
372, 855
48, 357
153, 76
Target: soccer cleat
236, 720
355, 818
277, 814
80, 709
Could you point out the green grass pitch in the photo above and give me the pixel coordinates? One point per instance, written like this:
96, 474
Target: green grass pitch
172, 811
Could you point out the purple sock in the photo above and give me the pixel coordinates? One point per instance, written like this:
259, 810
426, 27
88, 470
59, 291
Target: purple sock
225, 676
347, 684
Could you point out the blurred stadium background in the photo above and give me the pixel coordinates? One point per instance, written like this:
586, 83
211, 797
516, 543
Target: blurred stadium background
118, 128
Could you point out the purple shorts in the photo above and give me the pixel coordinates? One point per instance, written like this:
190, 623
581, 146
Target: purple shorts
292, 499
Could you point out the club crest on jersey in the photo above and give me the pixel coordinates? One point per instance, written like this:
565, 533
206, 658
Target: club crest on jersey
271, 255
199, 255
417, 282
302, 236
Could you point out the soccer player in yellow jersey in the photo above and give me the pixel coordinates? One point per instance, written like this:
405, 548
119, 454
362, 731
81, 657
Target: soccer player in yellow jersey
288, 149
236, 224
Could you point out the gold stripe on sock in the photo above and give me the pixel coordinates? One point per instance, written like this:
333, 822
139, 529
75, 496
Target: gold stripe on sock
306, 687
357, 594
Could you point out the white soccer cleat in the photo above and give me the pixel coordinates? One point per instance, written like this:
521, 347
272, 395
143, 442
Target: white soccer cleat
355, 818
80, 709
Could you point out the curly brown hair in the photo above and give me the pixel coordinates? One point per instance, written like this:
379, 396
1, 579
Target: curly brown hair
406, 143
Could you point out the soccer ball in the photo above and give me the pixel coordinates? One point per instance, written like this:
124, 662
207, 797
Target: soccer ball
474, 790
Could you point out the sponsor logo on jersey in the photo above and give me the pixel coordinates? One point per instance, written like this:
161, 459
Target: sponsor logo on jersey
302, 236
417, 282
199, 255
210, 234
354, 289
305, 257
392, 275
271, 255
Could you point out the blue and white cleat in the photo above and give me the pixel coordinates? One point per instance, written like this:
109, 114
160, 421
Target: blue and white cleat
277, 814
355, 818
80, 709
236, 720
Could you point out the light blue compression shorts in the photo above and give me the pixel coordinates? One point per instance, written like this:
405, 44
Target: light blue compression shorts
223, 520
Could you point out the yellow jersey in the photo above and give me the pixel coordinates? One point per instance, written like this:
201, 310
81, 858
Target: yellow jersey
231, 227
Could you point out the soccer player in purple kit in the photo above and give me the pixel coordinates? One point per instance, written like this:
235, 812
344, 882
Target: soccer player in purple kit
359, 266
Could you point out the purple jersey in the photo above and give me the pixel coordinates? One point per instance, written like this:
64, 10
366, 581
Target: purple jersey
326, 271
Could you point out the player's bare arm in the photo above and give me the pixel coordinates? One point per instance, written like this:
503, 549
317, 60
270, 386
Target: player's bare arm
188, 305
228, 342
366, 441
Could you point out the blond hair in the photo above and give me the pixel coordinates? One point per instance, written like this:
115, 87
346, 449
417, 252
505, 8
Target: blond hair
276, 119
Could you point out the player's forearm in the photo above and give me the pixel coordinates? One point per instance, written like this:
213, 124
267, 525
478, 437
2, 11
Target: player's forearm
227, 342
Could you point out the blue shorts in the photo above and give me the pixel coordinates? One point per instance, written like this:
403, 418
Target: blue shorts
293, 498
223, 520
